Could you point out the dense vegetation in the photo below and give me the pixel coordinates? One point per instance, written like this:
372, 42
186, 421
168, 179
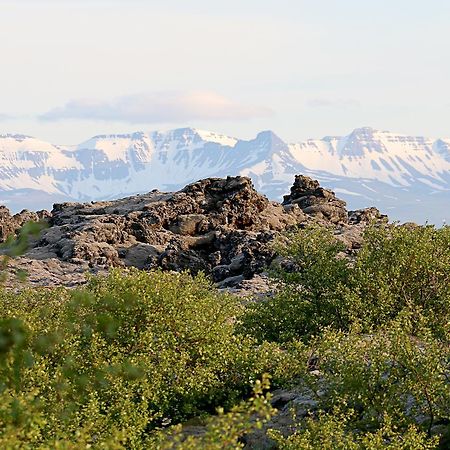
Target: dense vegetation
398, 269
126, 360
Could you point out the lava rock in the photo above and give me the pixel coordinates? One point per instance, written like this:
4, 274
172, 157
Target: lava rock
220, 226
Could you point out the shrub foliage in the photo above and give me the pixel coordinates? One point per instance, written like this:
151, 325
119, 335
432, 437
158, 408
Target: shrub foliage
133, 359
398, 268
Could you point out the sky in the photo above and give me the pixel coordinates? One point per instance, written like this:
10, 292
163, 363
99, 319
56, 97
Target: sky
71, 69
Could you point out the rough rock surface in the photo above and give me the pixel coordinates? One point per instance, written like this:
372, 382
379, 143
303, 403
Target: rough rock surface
316, 201
223, 227
366, 216
10, 224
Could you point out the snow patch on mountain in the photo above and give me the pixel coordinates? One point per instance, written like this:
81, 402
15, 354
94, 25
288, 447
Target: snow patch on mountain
408, 175
394, 159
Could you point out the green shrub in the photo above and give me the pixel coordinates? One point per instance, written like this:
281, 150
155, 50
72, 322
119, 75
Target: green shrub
335, 432
403, 267
389, 372
311, 294
130, 353
378, 333
398, 267
125, 361
223, 431
384, 390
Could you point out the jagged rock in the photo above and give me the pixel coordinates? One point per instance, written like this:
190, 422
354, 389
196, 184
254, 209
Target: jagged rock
366, 215
140, 255
316, 201
231, 282
260, 286
221, 226
48, 272
351, 234
11, 224
210, 223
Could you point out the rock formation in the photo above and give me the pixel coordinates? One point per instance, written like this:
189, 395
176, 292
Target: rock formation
223, 227
11, 224
316, 201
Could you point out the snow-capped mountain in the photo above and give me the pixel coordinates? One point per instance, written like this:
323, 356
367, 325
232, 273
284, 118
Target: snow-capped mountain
407, 177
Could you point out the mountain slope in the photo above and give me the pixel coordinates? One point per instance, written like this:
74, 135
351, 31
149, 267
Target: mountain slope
408, 177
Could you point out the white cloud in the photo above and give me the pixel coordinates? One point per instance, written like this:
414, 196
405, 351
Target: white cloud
158, 107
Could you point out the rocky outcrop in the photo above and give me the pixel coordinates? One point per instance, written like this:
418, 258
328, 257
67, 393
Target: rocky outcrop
223, 227
366, 216
220, 226
11, 224
316, 201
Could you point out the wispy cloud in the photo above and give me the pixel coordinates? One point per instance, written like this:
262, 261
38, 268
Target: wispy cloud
4, 117
332, 103
158, 108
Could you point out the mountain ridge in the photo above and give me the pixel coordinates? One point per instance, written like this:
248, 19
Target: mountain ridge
407, 176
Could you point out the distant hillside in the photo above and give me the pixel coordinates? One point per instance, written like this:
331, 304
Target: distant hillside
407, 177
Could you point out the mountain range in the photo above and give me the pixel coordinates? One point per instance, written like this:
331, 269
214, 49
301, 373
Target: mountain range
406, 177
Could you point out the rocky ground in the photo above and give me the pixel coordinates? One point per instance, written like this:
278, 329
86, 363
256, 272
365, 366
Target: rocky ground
223, 227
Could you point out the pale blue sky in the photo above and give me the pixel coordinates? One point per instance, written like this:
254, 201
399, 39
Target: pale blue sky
71, 69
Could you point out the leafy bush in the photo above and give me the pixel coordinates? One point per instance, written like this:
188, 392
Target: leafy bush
312, 293
225, 430
128, 354
377, 329
390, 372
403, 267
17, 244
126, 361
398, 267
336, 432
